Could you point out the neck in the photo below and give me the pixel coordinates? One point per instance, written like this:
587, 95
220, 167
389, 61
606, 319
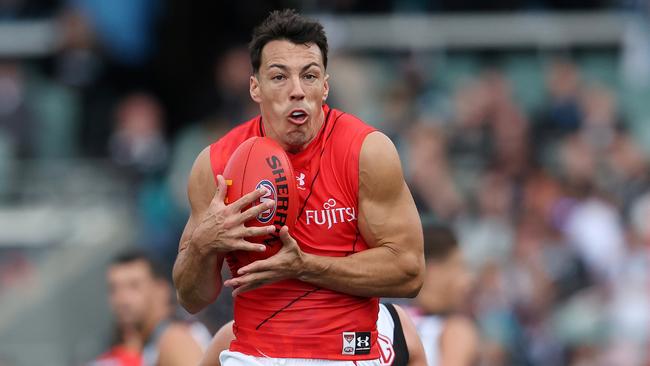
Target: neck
131, 339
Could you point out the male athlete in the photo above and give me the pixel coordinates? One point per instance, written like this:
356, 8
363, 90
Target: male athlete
316, 298
449, 338
399, 344
140, 298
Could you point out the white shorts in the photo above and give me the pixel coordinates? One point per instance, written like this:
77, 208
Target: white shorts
229, 358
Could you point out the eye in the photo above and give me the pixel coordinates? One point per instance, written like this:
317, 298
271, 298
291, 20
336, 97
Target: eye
278, 77
310, 76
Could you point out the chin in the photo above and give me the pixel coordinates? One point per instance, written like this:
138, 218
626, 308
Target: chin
296, 139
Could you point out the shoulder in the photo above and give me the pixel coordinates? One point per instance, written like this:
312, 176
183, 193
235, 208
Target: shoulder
379, 162
462, 332
202, 184
346, 122
234, 137
177, 346
177, 335
460, 325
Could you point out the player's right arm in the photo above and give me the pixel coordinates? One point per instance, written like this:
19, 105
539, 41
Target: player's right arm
212, 230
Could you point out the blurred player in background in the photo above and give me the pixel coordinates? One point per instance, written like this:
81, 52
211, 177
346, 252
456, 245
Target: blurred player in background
148, 335
449, 338
316, 298
398, 340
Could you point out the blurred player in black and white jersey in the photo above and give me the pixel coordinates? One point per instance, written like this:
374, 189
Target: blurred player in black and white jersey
449, 337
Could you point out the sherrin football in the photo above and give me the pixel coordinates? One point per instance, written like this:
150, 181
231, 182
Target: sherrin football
262, 162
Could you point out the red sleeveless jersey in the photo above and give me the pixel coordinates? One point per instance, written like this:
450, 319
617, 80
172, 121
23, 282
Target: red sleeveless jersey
294, 319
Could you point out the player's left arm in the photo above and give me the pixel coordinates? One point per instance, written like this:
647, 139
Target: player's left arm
388, 222
417, 356
177, 347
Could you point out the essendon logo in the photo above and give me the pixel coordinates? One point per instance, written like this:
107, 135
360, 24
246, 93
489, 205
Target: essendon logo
266, 216
349, 337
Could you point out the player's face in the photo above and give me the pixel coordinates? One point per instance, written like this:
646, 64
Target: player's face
131, 290
291, 87
459, 280
446, 283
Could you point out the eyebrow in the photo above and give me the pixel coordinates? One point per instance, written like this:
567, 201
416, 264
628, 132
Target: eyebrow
285, 68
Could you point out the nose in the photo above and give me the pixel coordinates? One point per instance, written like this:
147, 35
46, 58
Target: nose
297, 93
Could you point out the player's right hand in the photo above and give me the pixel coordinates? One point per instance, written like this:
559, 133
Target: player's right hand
222, 229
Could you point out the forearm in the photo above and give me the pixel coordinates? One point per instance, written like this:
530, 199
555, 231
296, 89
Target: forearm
197, 278
376, 272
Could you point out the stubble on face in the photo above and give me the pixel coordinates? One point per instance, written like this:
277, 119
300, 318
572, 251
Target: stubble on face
291, 77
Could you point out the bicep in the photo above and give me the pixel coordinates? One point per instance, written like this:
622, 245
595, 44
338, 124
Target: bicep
387, 212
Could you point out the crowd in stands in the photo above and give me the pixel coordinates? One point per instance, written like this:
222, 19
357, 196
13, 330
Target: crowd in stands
550, 200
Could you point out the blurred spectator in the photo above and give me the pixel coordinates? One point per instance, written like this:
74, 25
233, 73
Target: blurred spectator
137, 142
125, 27
561, 113
139, 147
17, 122
37, 117
428, 173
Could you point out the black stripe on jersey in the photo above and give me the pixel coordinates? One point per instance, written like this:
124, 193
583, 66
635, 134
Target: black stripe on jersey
399, 341
286, 306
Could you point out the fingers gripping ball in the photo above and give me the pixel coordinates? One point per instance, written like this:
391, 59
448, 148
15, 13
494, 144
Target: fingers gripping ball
260, 162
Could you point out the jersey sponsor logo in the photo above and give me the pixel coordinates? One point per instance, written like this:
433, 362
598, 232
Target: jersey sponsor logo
356, 343
330, 214
266, 215
363, 343
301, 181
386, 351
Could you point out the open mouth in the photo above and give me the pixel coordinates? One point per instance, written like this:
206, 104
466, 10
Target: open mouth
298, 116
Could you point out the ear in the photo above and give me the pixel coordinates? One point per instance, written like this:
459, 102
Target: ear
255, 89
326, 87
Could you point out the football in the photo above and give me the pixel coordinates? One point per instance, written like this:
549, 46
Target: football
262, 162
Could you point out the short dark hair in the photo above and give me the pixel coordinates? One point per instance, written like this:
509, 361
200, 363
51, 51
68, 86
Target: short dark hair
439, 242
136, 255
286, 24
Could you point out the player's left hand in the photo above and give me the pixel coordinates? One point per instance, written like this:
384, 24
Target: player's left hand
285, 264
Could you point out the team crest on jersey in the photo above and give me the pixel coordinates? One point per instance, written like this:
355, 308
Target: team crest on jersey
266, 215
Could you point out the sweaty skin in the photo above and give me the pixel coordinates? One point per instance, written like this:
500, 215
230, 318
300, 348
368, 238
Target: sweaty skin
292, 77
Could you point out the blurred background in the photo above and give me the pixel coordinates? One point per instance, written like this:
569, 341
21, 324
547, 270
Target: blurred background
524, 124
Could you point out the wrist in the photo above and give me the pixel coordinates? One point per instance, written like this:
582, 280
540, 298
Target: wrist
312, 266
